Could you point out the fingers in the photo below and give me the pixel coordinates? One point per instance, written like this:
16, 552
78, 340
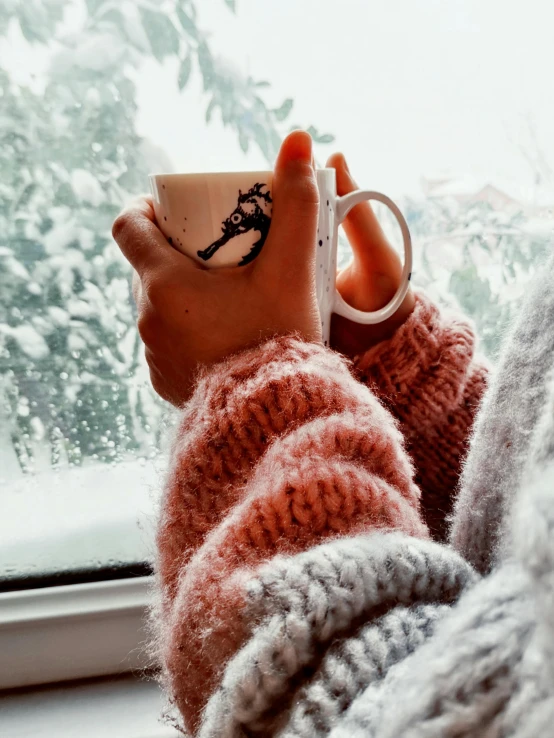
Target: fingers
363, 230
290, 246
139, 239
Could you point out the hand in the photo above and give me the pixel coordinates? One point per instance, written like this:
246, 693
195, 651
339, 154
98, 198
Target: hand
190, 316
371, 279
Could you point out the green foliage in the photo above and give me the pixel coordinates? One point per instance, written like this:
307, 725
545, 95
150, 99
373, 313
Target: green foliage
70, 155
283, 111
206, 65
323, 138
184, 72
187, 23
38, 18
161, 32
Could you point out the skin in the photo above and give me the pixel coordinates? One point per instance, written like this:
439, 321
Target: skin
190, 316
371, 279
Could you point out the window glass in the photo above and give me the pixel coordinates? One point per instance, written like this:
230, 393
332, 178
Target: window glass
443, 106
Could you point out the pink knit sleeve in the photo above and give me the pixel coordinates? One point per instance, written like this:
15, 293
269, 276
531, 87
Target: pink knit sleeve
279, 449
427, 375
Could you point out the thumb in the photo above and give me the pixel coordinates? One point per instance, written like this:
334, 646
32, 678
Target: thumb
290, 245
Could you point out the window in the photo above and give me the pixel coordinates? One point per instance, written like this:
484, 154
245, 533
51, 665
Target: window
444, 106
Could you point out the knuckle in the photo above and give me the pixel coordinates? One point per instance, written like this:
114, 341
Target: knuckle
155, 290
303, 195
162, 284
147, 327
159, 385
121, 225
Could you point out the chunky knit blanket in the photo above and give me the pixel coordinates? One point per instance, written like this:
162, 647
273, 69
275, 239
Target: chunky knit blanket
328, 563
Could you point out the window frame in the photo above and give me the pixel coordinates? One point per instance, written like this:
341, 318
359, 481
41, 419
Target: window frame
74, 631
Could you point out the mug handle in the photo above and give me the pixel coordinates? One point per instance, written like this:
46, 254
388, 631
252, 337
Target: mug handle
340, 307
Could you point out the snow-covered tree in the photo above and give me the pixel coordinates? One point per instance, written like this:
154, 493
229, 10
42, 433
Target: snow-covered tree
477, 258
72, 386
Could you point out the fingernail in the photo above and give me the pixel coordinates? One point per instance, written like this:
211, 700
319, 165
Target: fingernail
300, 146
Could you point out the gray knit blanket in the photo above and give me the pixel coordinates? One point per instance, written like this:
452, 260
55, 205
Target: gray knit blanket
388, 636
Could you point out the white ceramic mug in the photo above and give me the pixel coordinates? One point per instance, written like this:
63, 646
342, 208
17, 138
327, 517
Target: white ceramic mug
222, 219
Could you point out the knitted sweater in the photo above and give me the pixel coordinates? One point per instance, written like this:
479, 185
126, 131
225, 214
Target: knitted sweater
301, 592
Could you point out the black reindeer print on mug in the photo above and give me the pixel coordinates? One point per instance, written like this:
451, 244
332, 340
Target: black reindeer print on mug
253, 213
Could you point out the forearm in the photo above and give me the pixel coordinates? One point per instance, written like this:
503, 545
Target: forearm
428, 376
280, 449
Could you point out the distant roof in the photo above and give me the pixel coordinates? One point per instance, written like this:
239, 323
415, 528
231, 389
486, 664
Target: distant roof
469, 187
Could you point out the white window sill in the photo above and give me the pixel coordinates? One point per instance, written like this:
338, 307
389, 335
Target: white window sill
112, 708
73, 632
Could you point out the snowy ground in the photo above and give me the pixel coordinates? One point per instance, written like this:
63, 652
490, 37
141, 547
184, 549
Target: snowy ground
78, 518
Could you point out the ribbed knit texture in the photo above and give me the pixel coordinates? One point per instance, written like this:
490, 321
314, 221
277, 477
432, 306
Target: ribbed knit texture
300, 592
504, 430
312, 599
353, 663
431, 380
279, 449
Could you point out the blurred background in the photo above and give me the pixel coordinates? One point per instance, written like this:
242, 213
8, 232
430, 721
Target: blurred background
444, 106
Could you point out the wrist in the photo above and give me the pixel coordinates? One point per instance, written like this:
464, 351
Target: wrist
424, 359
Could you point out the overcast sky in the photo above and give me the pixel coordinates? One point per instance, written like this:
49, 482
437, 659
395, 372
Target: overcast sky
409, 88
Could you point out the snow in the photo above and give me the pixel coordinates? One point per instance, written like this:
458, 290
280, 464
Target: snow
79, 518
86, 187
117, 293
23, 407
34, 288
60, 236
17, 268
29, 340
98, 52
59, 316
118, 367
37, 428
92, 96
539, 226
76, 342
80, 309
63, 265
43, 326
86, 239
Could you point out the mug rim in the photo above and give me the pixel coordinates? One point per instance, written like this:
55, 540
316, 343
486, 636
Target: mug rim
254, 172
